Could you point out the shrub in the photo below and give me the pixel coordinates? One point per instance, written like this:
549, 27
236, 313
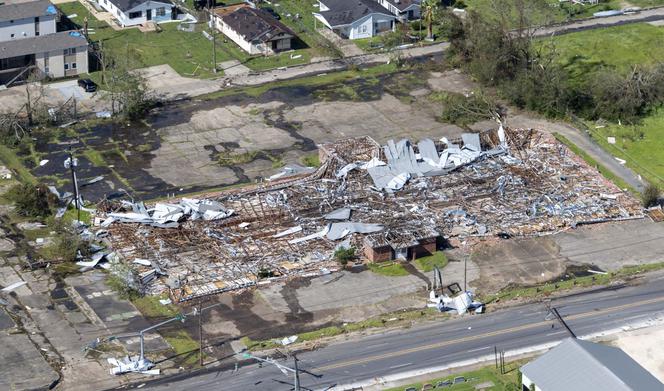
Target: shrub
343, 255
650, 196
31, 200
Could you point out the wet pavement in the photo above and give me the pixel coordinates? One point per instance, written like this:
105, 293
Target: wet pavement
177, 147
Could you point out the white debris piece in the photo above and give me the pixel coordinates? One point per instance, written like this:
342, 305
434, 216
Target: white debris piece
13, 286
611, 140
169, 215
289, 340
287, 232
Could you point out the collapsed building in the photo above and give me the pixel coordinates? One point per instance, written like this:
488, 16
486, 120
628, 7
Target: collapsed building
400, 201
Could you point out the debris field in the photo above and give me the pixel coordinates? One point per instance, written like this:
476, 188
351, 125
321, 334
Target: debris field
402, 197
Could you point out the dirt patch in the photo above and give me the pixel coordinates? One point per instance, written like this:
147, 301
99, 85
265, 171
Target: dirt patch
517, 262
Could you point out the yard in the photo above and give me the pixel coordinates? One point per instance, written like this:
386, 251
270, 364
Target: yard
583, 53
188, 53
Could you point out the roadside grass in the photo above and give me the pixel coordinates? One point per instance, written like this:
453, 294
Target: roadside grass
606, 173
393, 319
309, 81
150, 307
509, 381
426, 264
388, 269
185, 347
641, 145
514, 292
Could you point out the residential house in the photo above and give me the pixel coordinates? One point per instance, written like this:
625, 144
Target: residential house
354, 19
404, 10
139, 12
30, 45
253, 29
26, 20
577, 365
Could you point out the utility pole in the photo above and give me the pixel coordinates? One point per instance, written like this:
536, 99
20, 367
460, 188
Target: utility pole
200, 332
71, 162
213, 29
465, 262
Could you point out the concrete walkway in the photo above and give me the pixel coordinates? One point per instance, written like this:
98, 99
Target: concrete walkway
347, 46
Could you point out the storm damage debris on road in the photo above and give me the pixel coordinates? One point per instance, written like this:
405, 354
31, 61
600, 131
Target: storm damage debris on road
390, 202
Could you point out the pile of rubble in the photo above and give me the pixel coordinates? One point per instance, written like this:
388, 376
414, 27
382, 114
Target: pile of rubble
390, 201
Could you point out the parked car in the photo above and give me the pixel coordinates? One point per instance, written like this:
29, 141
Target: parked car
459, 379
410, 389
272, 12
87, 84
444, 383
428, 387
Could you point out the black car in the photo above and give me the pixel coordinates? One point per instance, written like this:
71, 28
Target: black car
88, 85
272, 12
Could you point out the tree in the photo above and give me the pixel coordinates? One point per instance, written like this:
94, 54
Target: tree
127, 89
429, 13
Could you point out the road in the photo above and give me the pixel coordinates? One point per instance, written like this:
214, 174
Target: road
434, 344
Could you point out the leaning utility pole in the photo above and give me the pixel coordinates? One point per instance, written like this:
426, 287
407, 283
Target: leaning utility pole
71, 162
200, 332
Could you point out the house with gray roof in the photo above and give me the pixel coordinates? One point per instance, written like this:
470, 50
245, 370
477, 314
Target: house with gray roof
404, 10
139, 12
30, 45
54, 55
27, 20
355, 19
577, 365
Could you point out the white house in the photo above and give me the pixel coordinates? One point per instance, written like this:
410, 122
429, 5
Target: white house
26, 20
577, 365
253, 29
136, 12
354, 19
30, 45
404, 10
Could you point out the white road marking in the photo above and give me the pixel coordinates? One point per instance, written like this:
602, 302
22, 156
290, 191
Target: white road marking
557, 332
478, 349
399, 366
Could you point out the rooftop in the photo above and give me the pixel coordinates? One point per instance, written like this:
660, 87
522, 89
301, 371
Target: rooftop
126, 5
577, 365
403, 4
44, 43
252, 23
30, 9
345, 12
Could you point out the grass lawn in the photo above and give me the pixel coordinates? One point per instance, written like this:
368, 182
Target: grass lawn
188, 53
185, 347
617, 47
562, 11
608, 174
501, 382
150, 307
426, 264
389, 269
642, 145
